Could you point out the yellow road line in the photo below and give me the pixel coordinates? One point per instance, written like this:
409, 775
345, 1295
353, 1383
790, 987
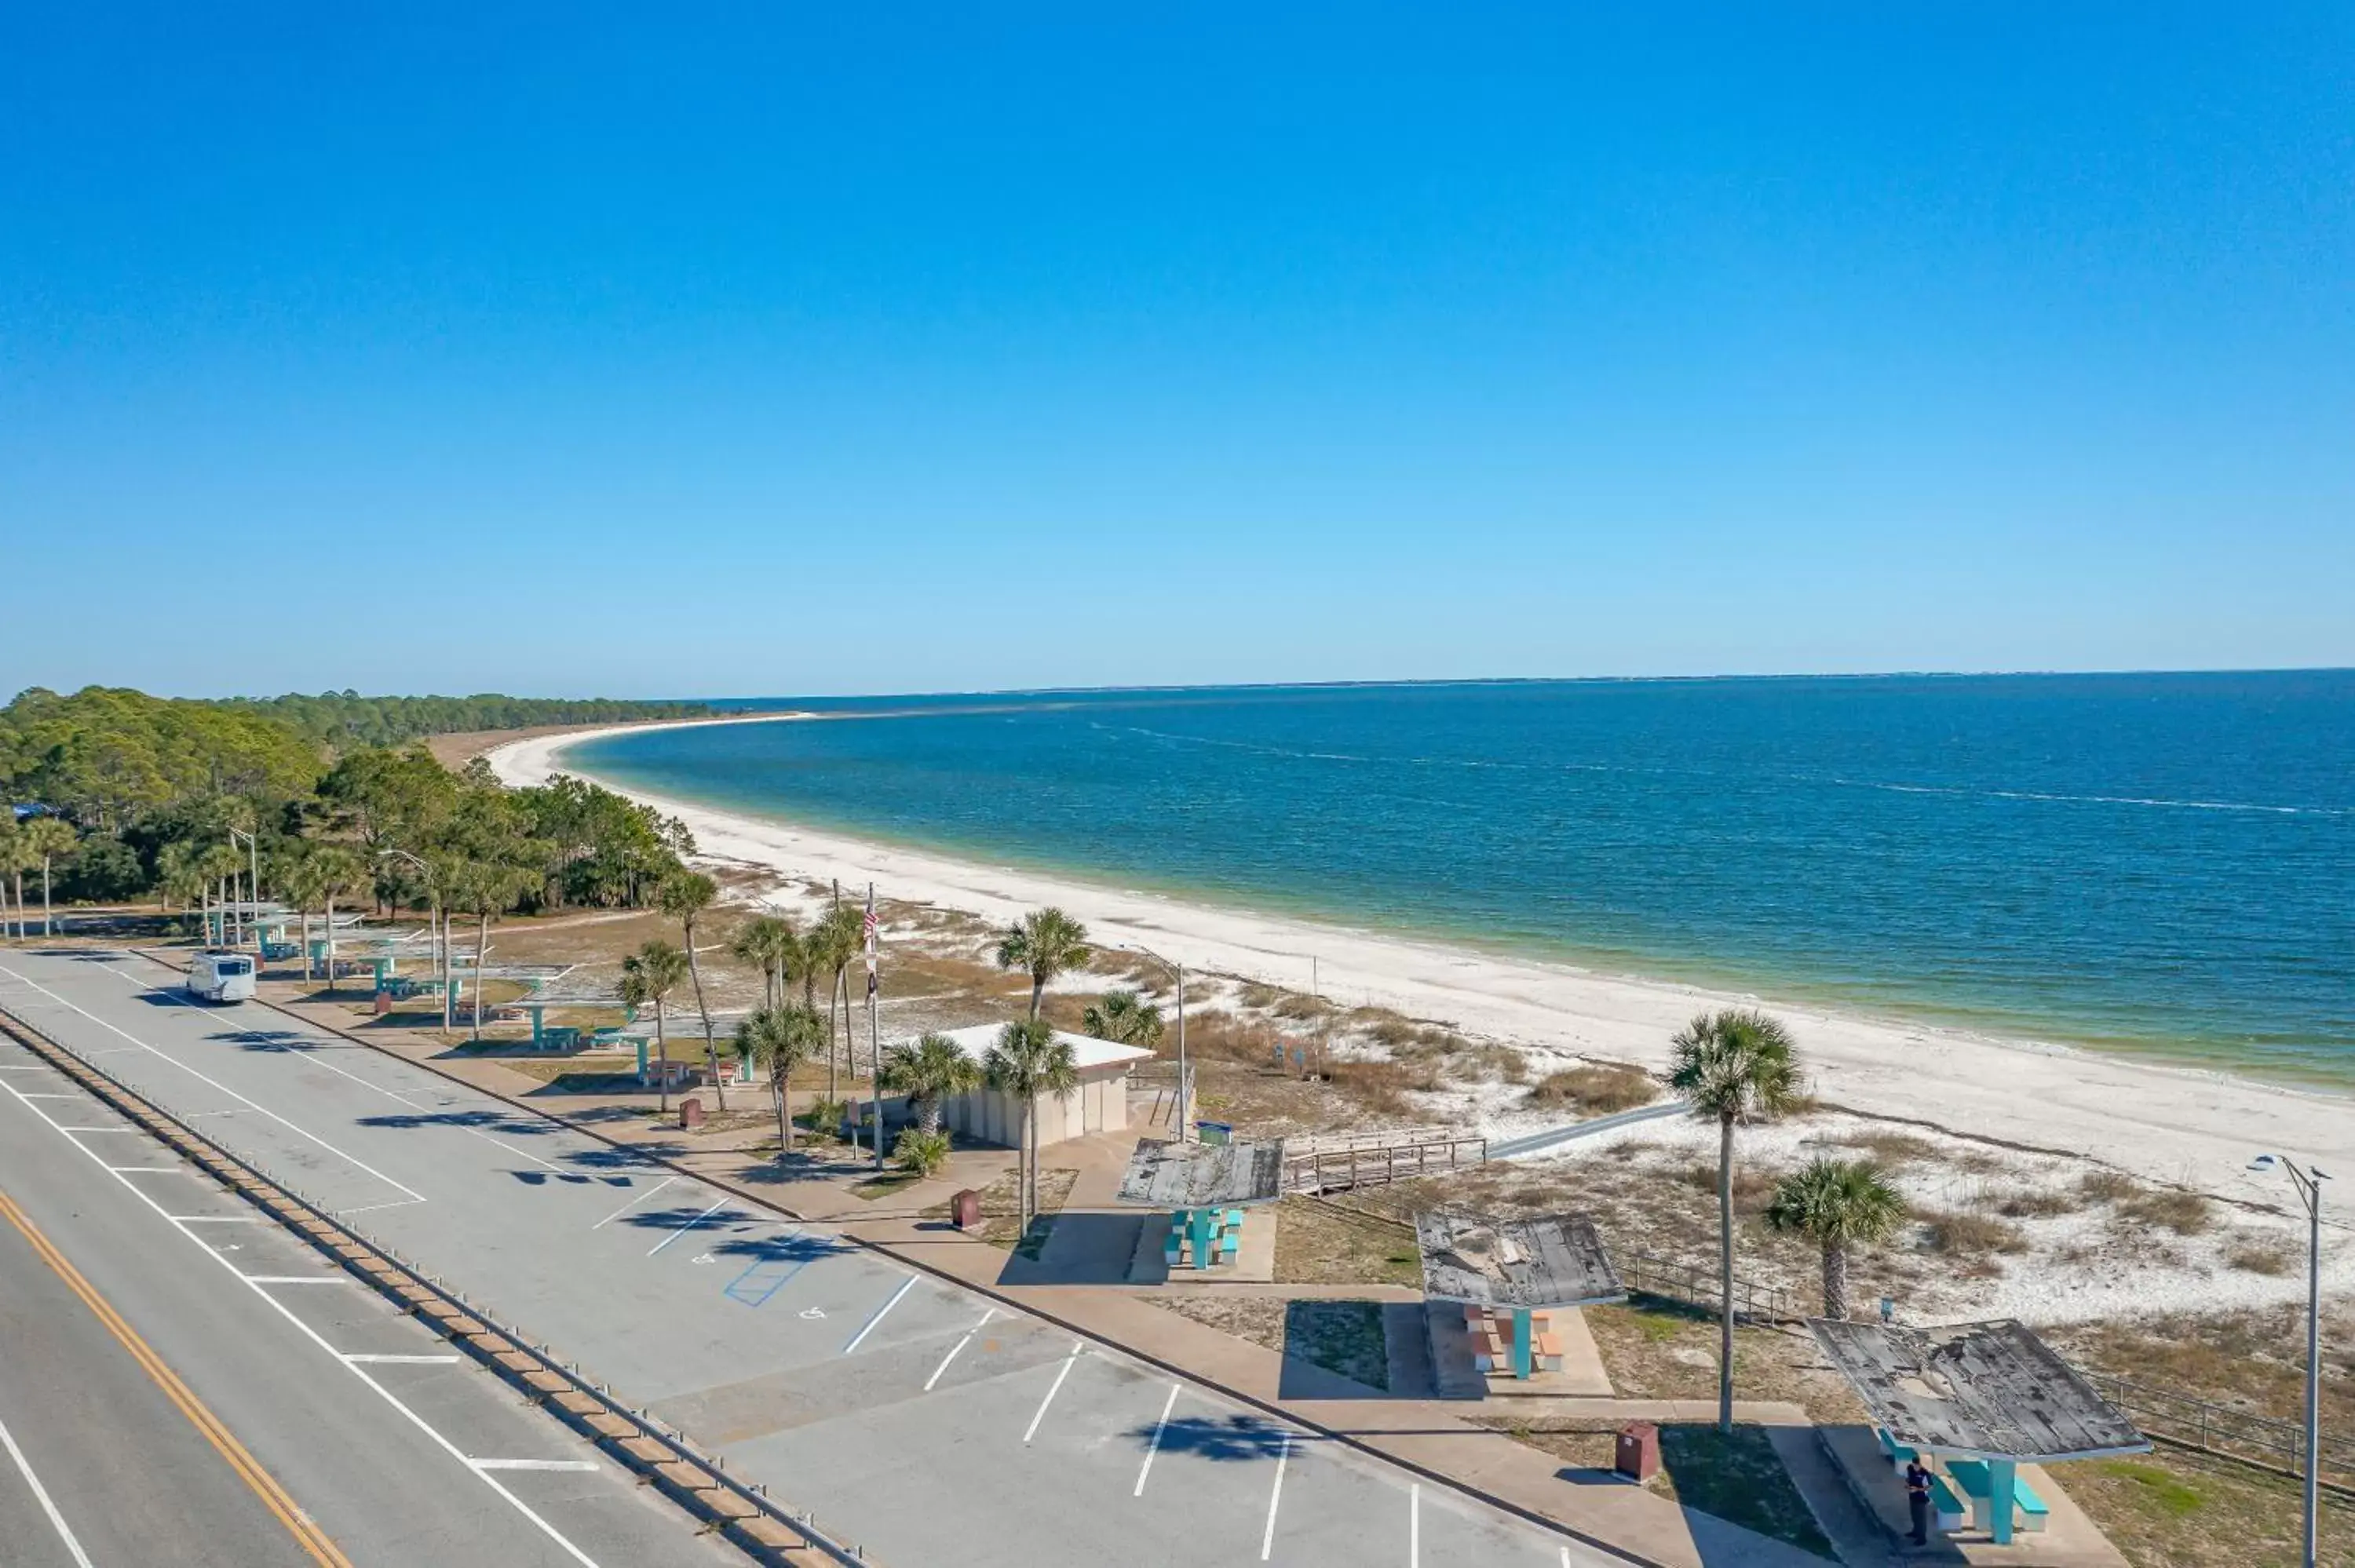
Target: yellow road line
307, 1535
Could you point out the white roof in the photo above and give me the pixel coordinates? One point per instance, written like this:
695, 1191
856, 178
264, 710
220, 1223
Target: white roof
1087, 1050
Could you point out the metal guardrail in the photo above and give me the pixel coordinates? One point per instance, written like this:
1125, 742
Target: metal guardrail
1698, 1286
698, 1482
2265, 1441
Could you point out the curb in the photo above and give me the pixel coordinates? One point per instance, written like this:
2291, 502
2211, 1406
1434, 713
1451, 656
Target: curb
762, 1529
1438, 1478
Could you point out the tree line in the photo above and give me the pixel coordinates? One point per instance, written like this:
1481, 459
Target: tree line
117, 795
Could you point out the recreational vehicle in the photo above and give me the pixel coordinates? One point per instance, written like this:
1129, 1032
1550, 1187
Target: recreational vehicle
221, 977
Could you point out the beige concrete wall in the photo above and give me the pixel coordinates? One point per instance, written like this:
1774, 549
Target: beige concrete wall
1099, 1104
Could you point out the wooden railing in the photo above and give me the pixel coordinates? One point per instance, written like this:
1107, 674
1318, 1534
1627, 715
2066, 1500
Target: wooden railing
1331, 1164
1697, 1285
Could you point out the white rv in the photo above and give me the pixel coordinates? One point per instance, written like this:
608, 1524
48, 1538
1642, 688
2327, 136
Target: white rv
220, 977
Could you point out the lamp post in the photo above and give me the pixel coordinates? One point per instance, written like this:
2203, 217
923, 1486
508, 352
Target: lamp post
2309, 1183
1185, 1077
441, 929
253, 884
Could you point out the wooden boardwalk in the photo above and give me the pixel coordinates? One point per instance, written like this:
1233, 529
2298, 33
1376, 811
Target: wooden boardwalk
1338, 1163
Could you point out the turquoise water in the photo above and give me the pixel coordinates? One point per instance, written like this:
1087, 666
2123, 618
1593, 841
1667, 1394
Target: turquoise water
2157, 863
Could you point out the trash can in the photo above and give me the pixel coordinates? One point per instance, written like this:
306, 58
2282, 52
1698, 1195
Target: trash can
1214, 1131
383, 1003
690, 1114
1638, 1456
965, 1210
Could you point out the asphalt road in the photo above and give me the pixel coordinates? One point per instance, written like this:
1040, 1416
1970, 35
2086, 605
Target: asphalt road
367, 1440
909, 1417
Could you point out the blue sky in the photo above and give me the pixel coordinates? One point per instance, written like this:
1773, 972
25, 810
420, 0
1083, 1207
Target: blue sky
750, 348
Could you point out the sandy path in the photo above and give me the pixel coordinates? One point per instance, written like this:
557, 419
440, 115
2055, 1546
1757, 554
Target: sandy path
2172, 1125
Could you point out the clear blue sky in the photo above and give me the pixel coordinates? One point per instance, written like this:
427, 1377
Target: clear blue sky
764, 348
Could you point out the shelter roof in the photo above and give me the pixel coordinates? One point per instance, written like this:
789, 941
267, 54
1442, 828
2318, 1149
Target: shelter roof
1165, 1175
1087, 1050
1554, 1260
1991, 1389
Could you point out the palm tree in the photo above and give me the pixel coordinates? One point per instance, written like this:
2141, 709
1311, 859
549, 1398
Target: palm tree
45, 839
1046, 942
649, 976
769, 943
299, 879
216, 863
1029, 1060
1736, 1066
14, 858
929, 1073
834, 942
684, 897
176, 876
341, 870
1838, 1203
1125, 1020
781, 1039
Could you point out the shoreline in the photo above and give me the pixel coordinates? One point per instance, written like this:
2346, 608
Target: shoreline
2187, 1125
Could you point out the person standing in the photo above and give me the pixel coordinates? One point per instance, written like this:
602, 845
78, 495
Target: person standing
1917, 1499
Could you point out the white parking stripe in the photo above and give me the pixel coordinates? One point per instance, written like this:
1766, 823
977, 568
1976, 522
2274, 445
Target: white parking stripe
312, 1057
869, 1327
407, 1360
313, 1335
297, 1278
41, 1495
1414, 1524
1032, 1431
959, 1346
687, 1227
634, 1203
1155, 1447
224, 1088
147, 1169
1267, 1541
45, 1095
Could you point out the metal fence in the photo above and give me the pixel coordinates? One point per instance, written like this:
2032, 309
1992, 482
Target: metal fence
1696, 1285
2265, 1440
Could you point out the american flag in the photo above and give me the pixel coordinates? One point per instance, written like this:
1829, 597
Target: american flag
870, 943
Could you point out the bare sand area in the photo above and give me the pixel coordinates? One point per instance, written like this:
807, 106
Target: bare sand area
2177, 1127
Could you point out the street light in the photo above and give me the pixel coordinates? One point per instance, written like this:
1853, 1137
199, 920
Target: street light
252, 881
441, 930
2309, 1183
1185, 1077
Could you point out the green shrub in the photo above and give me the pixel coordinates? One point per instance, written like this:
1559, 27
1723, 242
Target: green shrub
921, 1153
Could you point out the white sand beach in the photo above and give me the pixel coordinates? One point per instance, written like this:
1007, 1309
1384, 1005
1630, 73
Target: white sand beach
2184, 1127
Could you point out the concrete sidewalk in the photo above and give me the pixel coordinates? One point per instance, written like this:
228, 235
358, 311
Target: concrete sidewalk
1427, 1436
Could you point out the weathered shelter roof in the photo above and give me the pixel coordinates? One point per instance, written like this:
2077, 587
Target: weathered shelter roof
1990, 1390
1555, 1260
1203, 1175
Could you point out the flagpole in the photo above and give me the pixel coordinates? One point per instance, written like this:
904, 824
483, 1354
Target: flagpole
874, 1031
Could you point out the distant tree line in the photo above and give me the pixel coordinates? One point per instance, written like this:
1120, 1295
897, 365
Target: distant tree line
342, 719
119, 795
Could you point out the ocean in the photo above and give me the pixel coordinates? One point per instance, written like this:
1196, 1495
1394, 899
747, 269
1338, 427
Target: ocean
2162, 863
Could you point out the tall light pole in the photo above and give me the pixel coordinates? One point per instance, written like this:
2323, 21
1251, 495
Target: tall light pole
252, 884
441, 929
2309, 1183
1185, 1077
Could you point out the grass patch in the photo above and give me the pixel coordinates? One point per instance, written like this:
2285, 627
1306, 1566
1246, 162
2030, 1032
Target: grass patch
1595, 1090
883, 1186
1344, 1337
2258, 1255
1001, 1218
2037, 1203
1738, 1477
1325, 1244
2169, 1510
2107, 1186
1959, 1233
2185, 1213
